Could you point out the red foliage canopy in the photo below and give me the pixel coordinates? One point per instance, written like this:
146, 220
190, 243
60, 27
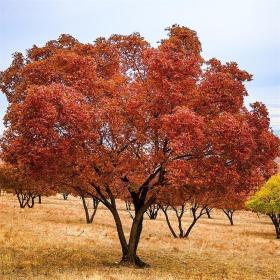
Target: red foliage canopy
130, 119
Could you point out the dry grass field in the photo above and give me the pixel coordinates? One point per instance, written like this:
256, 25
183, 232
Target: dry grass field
52, 241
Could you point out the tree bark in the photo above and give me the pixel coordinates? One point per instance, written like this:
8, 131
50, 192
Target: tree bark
131, 257
128, 209
196, 217
25, 199
208, 212
120, 231
229, 214
152, 211
190, 228
95, 202
140, 206
275, 218
31, 201
20, 199
127, 205
164, 210
179, 214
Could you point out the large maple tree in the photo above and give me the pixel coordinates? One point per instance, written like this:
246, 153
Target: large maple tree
124, 119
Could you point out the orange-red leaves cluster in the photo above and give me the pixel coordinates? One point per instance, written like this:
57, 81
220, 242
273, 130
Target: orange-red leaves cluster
123, 115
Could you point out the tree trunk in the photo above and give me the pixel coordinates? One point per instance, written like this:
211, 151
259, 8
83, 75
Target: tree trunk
164, 210
129, 249
85, 208
179, 214
120, 231
277, 229
39, 199
229, 214
20, 199
95, 202
152, 211
128, 208
65, 196
208, 212
275, 218
24, 199
128, 205
196, 217
131, 258
31, 200
190, 228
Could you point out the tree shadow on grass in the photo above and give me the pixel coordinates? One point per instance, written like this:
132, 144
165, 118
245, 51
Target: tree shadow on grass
222, 223
264, 222
26, 263
259, 234
48, 262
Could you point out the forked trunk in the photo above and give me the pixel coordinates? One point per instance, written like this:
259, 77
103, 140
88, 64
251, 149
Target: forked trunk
31, 201
141, 204
131, 257
25, 199
129, 249
196, 215
152, 211
229, 213
95, 202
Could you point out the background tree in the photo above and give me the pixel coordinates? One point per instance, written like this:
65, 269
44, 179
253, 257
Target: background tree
267, 201
180, 204
152, 211
65, 195
13, 180
79, 188
122, 116
188, 194
208, 212
233, 200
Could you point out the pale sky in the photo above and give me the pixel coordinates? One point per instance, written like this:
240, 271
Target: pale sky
245, 31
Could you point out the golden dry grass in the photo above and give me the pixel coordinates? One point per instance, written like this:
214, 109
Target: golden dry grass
52, 241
